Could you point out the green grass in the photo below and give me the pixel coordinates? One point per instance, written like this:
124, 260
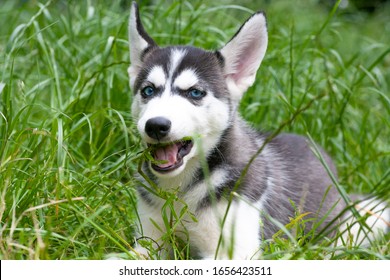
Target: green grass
69, 150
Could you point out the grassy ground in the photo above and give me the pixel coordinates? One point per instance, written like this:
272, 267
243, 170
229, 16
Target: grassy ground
68, 147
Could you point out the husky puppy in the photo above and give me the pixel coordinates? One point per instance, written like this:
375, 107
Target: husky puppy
238, 184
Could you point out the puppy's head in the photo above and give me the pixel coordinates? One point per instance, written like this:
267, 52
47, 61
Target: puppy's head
185, 94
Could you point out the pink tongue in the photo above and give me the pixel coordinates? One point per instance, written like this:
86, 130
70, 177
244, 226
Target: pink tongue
167, 154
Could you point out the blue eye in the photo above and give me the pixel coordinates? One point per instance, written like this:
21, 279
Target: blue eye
148, 91
196, 93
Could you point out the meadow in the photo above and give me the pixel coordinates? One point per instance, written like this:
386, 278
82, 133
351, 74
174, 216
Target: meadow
69, 150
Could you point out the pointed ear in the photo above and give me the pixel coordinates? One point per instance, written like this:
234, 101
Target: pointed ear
140, 43
243, 54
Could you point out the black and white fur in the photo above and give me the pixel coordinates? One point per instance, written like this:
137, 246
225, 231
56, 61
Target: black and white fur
183, 92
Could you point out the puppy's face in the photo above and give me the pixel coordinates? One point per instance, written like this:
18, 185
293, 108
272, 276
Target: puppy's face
181, 105
185, 97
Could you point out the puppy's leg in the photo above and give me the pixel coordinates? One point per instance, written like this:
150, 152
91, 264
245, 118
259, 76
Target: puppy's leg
149, 216
240, 238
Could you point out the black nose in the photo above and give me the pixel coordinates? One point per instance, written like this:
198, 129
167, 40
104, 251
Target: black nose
157, 128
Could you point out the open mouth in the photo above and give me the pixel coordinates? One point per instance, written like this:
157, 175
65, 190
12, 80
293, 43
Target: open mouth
169, 156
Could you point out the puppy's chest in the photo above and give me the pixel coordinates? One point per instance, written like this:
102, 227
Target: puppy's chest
181, 213
181, 216
183, 201
196, 188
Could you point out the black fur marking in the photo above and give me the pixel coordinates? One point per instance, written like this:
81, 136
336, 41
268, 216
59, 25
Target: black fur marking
146, 51
140, 28
145, 196
220, 192
220, 58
